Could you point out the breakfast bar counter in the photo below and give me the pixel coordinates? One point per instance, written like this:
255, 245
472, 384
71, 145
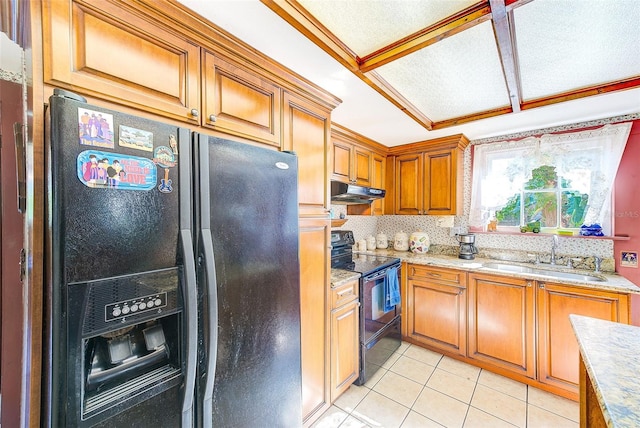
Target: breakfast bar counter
609, 367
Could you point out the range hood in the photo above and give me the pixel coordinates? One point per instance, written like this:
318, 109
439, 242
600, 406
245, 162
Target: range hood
351, 194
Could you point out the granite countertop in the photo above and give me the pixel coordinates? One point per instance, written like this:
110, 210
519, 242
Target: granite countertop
614, 282
341, 276
610, 353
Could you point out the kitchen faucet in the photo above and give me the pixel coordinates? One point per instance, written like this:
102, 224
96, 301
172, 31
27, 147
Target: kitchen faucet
554, 246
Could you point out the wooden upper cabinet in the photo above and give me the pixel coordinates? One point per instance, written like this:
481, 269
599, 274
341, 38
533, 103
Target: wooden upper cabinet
306, 132
378, 171
352, 157
408, 184
342, 156
239, 102
428, 176
351, 163
362, 166
108, 51
441, 195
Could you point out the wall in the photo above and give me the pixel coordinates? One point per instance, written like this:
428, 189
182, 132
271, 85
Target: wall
518, 247
627, 204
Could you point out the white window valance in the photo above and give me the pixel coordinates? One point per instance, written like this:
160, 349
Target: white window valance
588, 159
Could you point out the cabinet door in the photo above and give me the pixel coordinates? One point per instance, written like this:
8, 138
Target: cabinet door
239, 102
557, 346
114, 53
362, 166
378, 171
341, 161
501, 322
306, 132
314, 311
440, 182
408, 184
437, 315
345, 358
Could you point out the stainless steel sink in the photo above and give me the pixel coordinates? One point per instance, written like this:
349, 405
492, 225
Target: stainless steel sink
509, 268
550, 273
569, 275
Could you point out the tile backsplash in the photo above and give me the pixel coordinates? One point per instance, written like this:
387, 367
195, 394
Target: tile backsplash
513, 247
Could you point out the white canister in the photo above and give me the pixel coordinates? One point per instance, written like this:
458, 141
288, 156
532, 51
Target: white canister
362, 245
371, 243
401, 242
381, 241
419, 242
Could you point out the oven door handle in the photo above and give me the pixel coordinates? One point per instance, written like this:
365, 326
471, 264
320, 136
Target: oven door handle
379, 274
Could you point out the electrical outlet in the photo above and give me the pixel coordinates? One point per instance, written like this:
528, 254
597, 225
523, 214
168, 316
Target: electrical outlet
453, 231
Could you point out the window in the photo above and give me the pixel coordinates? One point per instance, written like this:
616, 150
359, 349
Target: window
559, 181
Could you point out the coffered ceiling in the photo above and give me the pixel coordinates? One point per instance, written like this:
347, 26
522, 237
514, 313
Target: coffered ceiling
449, 66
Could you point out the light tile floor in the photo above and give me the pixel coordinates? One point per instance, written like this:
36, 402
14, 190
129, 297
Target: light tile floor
420, 388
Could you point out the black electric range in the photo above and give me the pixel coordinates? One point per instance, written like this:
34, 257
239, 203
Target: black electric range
379, 323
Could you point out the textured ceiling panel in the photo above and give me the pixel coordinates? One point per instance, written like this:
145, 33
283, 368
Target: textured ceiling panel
368, 25
456, 77
571, 44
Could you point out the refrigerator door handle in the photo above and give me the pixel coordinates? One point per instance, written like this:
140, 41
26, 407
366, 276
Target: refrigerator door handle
212, 302
191, 315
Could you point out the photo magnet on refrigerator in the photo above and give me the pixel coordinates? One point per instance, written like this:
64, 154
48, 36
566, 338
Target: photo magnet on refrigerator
116, 171
164, 157
134, 138
95, 128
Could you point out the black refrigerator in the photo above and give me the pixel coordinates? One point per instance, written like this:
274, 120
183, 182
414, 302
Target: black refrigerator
172, 295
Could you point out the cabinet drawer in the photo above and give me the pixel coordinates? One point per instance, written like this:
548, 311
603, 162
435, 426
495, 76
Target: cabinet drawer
448, 276
344, 294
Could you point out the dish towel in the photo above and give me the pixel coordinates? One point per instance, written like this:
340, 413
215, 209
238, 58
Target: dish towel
391, 290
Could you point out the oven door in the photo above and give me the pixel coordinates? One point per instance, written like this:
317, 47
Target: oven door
373, 315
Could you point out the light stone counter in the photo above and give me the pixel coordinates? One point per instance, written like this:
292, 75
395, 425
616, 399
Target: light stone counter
614, 282
341, 276
610, 352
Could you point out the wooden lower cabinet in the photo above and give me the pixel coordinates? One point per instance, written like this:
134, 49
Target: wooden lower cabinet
516, 327
558, 352
502, 322
437, 308
314, 316
345, 358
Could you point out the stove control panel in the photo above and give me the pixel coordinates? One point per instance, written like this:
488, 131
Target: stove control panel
342, 238
135, 306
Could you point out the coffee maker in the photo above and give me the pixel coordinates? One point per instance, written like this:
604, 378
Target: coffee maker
468, 248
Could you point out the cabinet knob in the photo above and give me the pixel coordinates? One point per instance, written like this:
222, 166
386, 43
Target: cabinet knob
194, 112
541, 285
212, 118
528, 283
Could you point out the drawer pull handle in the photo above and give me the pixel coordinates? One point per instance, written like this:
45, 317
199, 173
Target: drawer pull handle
345, 292
413, 271
437, 275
